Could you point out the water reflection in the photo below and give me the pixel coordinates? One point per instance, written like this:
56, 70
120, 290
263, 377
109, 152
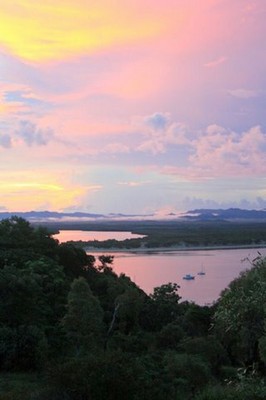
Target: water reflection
65, 236
220, 266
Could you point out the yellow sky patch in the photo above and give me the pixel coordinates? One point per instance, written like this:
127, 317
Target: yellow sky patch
30, 185
56, 30
10, 108
30, 194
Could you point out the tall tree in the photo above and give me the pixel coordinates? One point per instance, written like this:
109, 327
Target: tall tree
83, 321
162, 307
240, 313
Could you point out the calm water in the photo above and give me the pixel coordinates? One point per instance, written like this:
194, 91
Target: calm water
149, 270
64, 236
220, 266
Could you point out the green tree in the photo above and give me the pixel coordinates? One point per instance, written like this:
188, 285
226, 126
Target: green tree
240, 315
20, 297
21, 242
74, 260
23, 348
189, 372
130, 304
83, 321
106, 263
208, 349
161, 308
169, 336
196, 320
16, 232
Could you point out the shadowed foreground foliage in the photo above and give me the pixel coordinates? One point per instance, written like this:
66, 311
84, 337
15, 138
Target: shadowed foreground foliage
71, 329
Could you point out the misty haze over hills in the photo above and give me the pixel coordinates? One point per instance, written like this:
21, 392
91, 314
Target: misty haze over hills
192, 215
228, 214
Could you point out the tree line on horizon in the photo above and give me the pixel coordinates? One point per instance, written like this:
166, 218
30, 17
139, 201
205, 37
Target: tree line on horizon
180, 234
72, 329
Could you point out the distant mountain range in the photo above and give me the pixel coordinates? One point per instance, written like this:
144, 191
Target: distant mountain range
39, 216
231, 214
48, 215
228, 214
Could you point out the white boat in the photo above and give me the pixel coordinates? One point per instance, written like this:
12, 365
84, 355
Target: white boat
188, 277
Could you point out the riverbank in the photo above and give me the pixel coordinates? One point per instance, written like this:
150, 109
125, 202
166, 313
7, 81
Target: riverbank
145, 250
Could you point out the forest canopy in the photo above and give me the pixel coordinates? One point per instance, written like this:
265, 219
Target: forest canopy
71, 328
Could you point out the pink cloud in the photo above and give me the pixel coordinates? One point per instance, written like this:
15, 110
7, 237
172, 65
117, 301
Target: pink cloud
216, 62
243, 93
160, 132
133, 183
115, 148
89, 97
218, 152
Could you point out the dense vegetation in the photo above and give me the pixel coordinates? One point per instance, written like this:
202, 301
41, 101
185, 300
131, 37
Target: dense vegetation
172, 233
71, 329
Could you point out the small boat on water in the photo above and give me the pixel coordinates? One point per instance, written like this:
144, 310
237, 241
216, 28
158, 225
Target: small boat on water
188, 277
201, 272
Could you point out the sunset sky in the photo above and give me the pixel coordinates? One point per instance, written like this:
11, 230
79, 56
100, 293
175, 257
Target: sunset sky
132, 106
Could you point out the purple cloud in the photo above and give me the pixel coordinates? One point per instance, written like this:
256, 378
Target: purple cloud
5, 141
32, 135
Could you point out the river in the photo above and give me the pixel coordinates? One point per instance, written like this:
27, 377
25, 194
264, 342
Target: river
67, 235
152, 269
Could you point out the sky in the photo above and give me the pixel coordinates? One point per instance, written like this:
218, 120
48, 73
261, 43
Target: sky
132, 106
